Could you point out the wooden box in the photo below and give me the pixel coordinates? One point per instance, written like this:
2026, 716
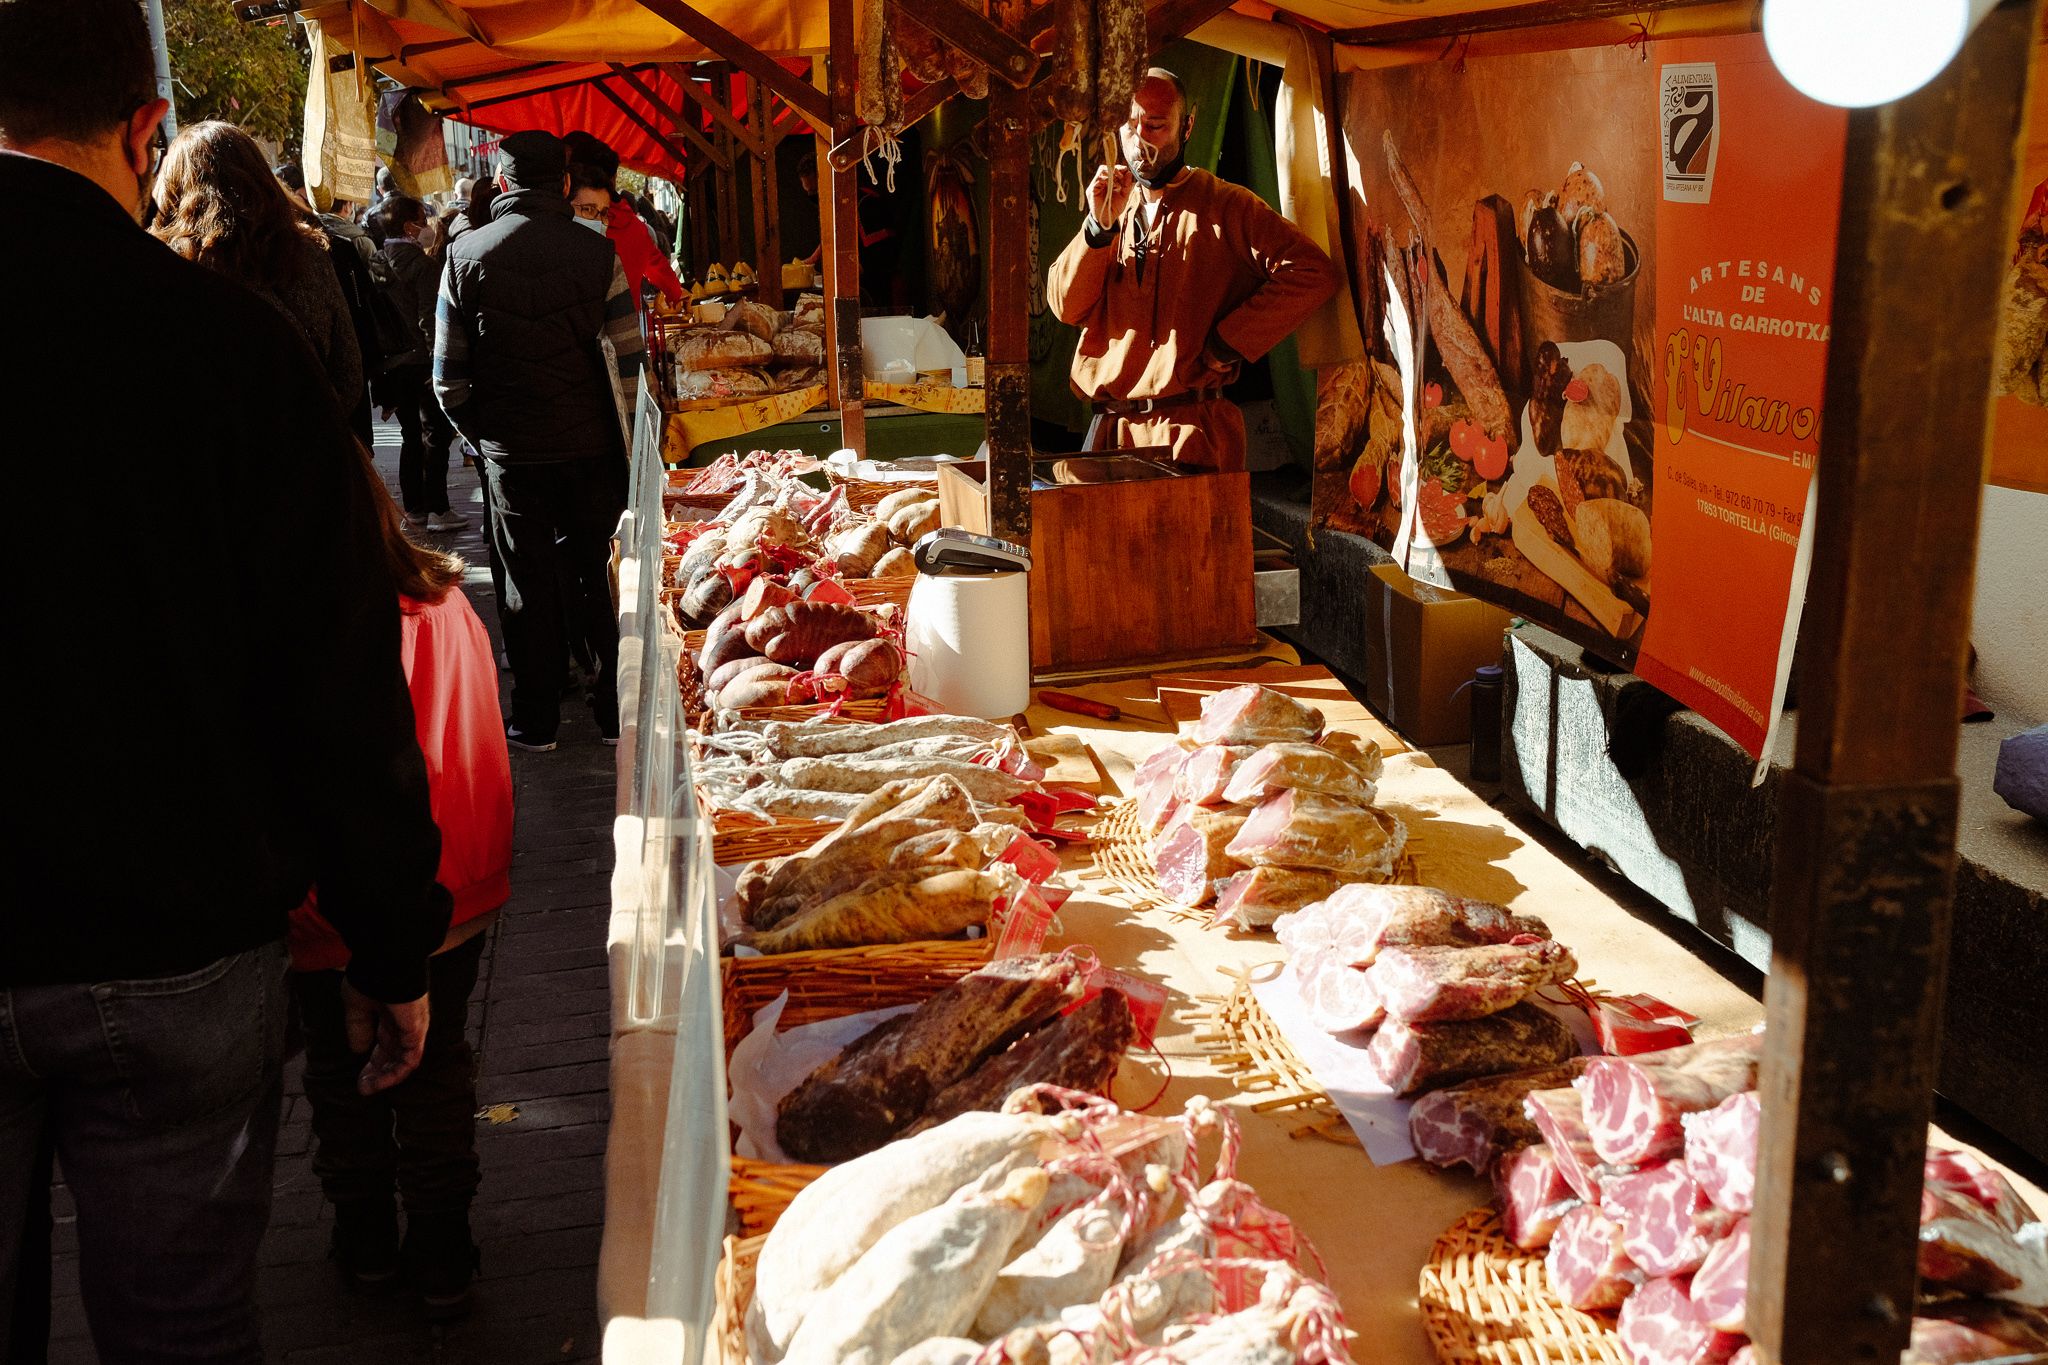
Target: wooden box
1128, 572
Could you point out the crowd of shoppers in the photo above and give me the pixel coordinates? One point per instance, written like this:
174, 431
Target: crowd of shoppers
321, 769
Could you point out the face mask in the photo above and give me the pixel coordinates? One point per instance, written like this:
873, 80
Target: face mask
594, 224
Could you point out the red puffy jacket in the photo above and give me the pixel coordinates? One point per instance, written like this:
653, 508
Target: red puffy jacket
640, 254
453, 677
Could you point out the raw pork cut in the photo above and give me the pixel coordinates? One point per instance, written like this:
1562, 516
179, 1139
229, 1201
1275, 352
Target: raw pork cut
1656, 1209
1364, 918
1410, 1058
1720, 1150
1473, 1123
1258, 896
1256, 715
1586, 1265
1659, 1326
1337, 995
1189, 856
1532, 1196
1634, 1104
1152, 784
1559, 1117
1303, 767
1208, 771
1421, 985
1721, 1290
1301, 829
1968, 1218
1976, 1329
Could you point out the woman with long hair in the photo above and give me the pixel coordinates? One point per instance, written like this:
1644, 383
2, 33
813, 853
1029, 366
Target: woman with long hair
218, 204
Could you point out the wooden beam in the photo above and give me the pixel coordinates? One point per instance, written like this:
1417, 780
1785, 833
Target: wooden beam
704, 99
1007, 58
663, 107
1540, 14
1007, 385
716, 38
1861, 905
1177, 19
839, 206
767, 212
646, 125
729, 186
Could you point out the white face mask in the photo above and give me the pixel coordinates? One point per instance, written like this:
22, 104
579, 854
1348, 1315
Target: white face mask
594, 224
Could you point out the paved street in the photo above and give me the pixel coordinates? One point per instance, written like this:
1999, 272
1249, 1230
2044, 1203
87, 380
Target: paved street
540, 1022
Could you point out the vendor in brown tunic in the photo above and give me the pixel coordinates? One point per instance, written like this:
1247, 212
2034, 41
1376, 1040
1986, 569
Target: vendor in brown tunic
1177, 285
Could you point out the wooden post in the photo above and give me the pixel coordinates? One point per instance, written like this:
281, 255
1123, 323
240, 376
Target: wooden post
1007, 382
839, 209
700, 210
1860, 911
767, 206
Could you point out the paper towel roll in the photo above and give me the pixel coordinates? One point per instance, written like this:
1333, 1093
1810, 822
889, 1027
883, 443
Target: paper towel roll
969, 637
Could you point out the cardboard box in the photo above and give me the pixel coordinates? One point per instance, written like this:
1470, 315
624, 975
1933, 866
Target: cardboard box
1422, 643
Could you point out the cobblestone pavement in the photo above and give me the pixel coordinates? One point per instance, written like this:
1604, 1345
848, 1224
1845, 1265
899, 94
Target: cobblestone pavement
541, 1025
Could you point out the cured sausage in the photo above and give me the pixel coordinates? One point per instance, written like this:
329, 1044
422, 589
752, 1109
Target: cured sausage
878, 94
1120, 59
1073, 56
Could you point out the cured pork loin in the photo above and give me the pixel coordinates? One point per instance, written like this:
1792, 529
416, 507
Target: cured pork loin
1305, 767
1720, 1150
1634, 1104
1256, 715
1256, 897
1426, 984
1532, 1196
1969, 1214
1474, 1123
1208, 771
1559, 1116
1658, 1210
1337, 995
1301, 829
1720, 1291
1358, 920
1659, 1326
1152, 784
1586, 1264
1411, 1058
1189, 856
1976, 1329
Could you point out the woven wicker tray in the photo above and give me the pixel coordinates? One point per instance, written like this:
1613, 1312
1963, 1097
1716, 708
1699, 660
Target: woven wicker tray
738, 837
1485, 1301
1237, 1034
734, 1290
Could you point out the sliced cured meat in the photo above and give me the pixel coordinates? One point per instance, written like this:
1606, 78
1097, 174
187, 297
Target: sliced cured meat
1419, 984
1532, 1196
1411, 1058
1656, 1209
1336, 994
1659, 1326
1256, 715
1208, 770
1152, 784
1976, 1329
1634, 1104
1258, 896
1559, 1116
1720, 1292
1367, 918
1189, 857
1473, 1123
1301, 829
1720, 1150
1586, 1265
1301, 767
1312, 926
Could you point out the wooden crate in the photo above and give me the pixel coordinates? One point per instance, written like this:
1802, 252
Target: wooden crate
1121, 572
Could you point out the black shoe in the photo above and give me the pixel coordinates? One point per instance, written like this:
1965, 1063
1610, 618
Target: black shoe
365, 1242
531, 743
440, 1261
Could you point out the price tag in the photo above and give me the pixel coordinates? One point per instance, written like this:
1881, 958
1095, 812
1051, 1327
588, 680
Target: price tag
1147, 998
1021, 929
1036, 861
1627, 1025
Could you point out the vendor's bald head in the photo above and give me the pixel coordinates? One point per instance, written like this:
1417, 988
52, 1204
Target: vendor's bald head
1159, 122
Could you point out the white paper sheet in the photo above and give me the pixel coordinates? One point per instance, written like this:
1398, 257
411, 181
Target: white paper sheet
768, 1065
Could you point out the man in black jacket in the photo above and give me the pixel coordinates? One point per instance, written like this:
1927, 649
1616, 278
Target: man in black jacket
526, 304
232, 724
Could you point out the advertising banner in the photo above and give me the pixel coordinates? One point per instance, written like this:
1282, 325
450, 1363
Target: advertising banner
1601, 328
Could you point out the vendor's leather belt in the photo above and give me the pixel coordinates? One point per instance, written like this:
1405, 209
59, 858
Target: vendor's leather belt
1145, 407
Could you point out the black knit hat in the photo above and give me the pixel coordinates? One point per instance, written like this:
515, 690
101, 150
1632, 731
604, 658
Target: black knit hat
533, 160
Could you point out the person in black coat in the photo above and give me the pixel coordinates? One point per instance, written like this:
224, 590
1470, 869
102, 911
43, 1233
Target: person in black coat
407, 382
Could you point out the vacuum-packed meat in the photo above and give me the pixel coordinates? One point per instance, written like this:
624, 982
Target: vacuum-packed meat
1152, 784
1559, 1116
1301, 829
1473, 1123
1256, 897
1423, 984
1969, 1330
1208, 771
1411, 1058
1634, 1104
1968, 1217
1658, 1210
1720, 1150
1189, 856
1659, 1326
1304, 767
1077, 1051
1720, 1291
1256, 715
1362, 918
1532, 1196
1586, 1265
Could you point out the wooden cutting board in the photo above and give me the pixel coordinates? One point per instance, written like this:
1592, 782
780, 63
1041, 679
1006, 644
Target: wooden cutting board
1068, 762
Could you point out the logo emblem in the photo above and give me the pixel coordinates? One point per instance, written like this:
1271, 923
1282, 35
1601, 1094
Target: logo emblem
1689, 99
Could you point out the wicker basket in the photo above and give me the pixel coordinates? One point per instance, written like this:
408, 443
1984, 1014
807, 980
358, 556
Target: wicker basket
760, 1191
1237, 1034
738, 837
863, 494
1485, 1301
734, 1290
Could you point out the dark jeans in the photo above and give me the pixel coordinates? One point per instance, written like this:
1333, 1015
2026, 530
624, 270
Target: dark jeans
552, 525
161, 1099
419, 1137
425, 435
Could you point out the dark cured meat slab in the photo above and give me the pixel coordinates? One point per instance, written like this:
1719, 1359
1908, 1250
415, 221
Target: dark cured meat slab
1078, 1051
1411, 1058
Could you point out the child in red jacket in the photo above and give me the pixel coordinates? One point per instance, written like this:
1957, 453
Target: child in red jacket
418, 1138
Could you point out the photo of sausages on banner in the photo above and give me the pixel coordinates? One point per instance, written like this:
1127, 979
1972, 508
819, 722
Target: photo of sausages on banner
1507, 208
